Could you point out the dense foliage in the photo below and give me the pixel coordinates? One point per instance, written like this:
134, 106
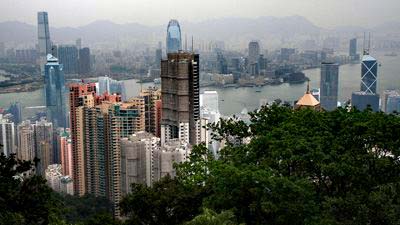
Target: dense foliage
285, 167
25, 198
290, 167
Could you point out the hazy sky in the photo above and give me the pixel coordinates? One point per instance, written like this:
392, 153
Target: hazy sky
325, 13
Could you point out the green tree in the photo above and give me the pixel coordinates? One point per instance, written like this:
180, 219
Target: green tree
209, 217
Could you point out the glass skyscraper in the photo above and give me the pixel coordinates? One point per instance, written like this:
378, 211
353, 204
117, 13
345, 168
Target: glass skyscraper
68, 55
44, 42
369, 74
55, 92
174, 41
329, 85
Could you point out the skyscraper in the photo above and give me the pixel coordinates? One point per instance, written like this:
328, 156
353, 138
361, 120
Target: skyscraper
84, 61
254, 52
138, 162
180, 97
55, 92
43, 145
174, 41
151, 95
7, 136
369, 74
15, 110
367, 96
77, 94
44, 42
68, 55
26, 141
329, 86
353, 50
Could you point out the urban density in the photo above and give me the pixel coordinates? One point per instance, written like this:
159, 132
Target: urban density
107, 118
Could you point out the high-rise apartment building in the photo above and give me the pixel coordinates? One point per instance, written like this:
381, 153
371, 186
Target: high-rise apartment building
329, 84
138, 162
55, 93
77, 94
84, 61
26, 141
43, 145
44, 42
151, 95
65, 143
7, 136
68, 56
180, 97
158, 57
174, 41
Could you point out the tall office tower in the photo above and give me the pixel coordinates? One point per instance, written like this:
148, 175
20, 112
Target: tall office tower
26, 141
367, 96
329, 84
180, 97
44, 42
158, 57
84, 61
7, 136
65, 143
77, 94
68, 56
222, 64
254, 52
174, 41
369, 74
138, 164
15, 110
55, 93
43, 145
353, 50
151, 95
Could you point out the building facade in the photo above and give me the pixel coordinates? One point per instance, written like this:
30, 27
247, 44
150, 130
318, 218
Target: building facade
68, 56
44, 43
174, 40
329, 86
55, 93
180, 97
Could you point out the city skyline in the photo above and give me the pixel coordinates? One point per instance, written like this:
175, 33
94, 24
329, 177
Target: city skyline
322, 13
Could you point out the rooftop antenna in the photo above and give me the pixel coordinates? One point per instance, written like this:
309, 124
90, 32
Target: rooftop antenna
369, 42
192, 45
364, 48
185, 42
308, 87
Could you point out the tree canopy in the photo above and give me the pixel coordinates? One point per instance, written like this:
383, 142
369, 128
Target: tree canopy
292, 167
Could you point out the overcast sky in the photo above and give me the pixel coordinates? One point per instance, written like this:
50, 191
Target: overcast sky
325, 13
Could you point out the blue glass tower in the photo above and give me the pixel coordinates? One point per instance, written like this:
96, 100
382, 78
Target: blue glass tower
174, 41
55, 92
369, 74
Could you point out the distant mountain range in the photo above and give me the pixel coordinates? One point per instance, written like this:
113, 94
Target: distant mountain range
215, 29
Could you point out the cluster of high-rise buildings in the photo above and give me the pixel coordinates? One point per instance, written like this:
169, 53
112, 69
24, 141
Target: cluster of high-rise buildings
74, 58
96, 141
